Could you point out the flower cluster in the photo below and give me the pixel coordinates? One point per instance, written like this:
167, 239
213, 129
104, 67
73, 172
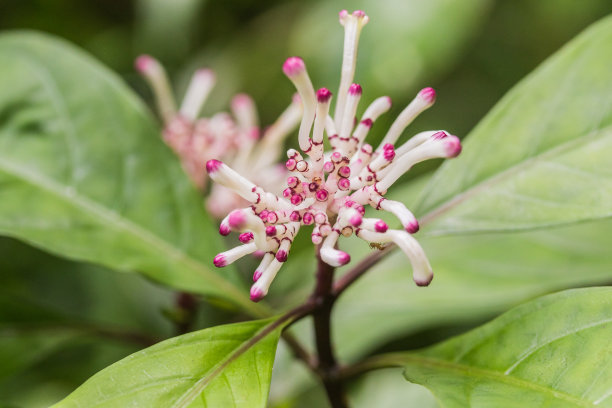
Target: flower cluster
330, 190
234, 138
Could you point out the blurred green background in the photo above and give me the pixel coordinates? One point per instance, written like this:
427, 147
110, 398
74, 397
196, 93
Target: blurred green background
80, 318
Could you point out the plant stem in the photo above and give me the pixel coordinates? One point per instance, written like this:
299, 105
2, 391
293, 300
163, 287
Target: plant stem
323, 298
187, 305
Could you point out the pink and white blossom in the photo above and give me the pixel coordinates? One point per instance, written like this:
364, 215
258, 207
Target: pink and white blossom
236, 138
330, 190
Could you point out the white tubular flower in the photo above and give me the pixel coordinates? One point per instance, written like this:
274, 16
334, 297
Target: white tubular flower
237, 138
329, 190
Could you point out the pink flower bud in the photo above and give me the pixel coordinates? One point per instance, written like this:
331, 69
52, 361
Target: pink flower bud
381, 226
343, 184
428, 95
296, 199
453, 146
323, 95
321, 195
270, 230
413, 227
344, 171
224, 229
389, 154
219, 261
245, 237
236, 219
355, 89
290, 164
213, 165
256, 294
367, 122
144, 63
308, 218
294, 66
292, 181
356, 220
281, 256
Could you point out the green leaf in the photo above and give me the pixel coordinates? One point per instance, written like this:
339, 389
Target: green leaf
476, 277
224, 366
552, 352
541, 157
382, 389
83, 315
84, 173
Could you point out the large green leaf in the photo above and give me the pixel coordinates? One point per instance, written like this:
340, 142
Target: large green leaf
542, 156
475, 279
83, 172
382, 389
224, 366
552, 352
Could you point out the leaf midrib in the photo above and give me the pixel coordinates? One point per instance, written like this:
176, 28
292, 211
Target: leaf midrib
465, 370
189, 395
118, 222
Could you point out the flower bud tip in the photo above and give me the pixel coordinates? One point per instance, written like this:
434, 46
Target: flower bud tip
236, 219
293, 66
296, 199
367, 122
256, 275
413, 227
428, 95
424, 282
381, 226
144, 63
213, 165
241, 100
308, 218
270, 230
356, 220
323, 95
281, 256
321, 195
224, 229
344, 184
245, 237
453, 146
256, 294
344, 258
355, 89
389, 154
219, 261
205, 73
